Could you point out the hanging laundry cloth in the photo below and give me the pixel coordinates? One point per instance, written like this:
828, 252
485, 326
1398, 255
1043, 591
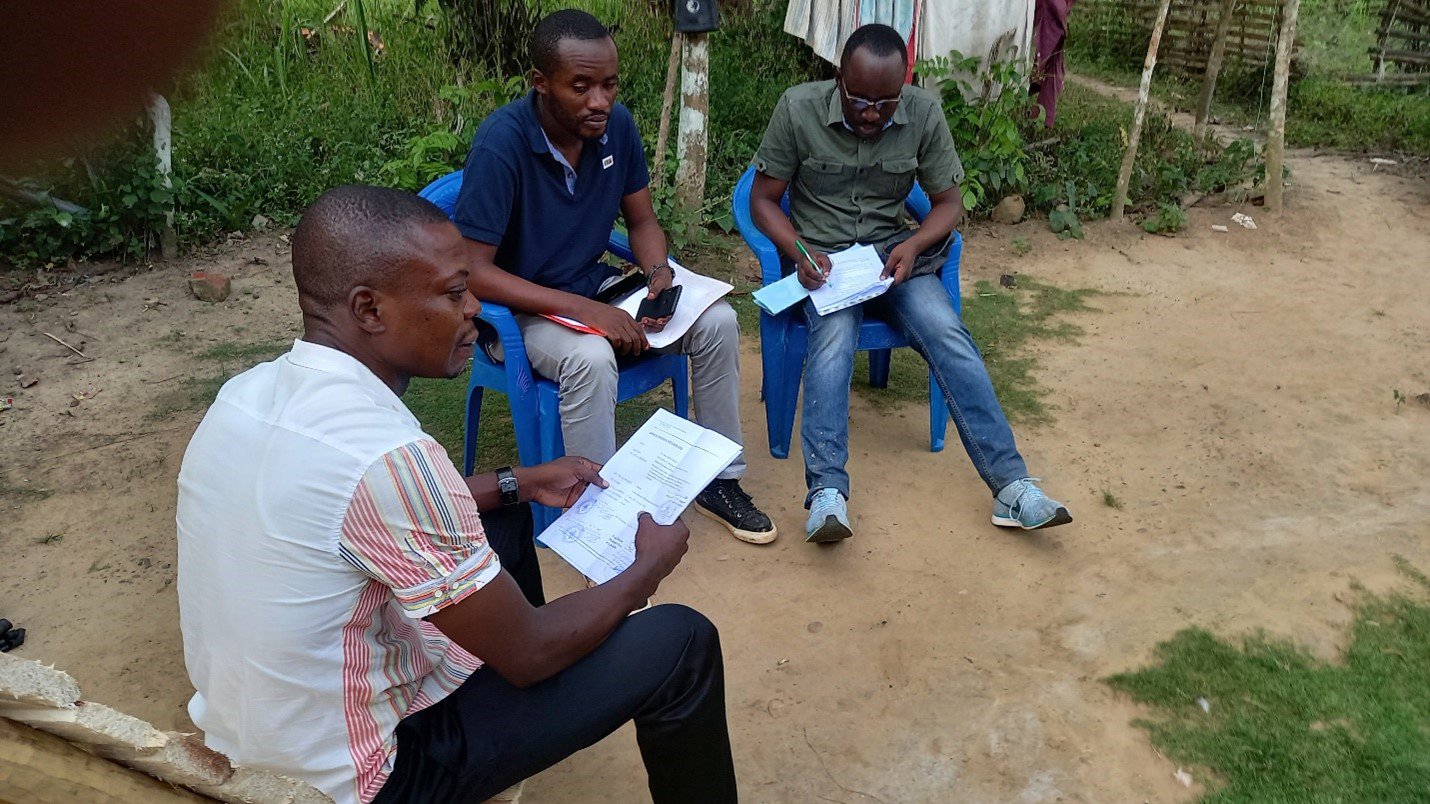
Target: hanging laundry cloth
1051, 21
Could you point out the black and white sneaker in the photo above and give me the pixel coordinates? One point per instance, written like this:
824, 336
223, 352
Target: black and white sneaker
725, 502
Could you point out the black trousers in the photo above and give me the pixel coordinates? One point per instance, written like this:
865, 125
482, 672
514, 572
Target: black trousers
661, 668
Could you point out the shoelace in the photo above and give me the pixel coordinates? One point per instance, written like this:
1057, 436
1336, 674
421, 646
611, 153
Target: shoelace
826, 499
1028, 487
735, 498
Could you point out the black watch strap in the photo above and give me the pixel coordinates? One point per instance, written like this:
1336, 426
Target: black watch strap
507, 486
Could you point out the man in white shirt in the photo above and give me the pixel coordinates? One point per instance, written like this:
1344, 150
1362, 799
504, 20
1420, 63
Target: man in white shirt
336, 584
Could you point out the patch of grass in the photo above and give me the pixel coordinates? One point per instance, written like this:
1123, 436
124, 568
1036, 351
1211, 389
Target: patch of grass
11, 492
223, 361
1081, 168
1322, 110
225, 353
440, 405
1282, 726
1110, 500
1022, 246
1002, 321
50, 538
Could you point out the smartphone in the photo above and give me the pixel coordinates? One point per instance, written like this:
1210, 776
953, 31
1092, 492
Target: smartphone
618, 289
662, 306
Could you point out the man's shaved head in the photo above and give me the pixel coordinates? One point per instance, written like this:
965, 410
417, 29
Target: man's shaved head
880, 40
355, 235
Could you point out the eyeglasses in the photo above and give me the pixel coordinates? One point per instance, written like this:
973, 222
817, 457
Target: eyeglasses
861, 104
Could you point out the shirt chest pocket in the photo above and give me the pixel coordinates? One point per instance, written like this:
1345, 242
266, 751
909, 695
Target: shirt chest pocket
826, 177
893, 178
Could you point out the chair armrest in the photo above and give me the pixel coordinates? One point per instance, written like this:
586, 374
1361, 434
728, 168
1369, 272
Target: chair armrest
620, 245
762, 247
949, 274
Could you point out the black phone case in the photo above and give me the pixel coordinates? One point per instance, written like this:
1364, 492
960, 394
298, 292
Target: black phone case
662, 306
621, 287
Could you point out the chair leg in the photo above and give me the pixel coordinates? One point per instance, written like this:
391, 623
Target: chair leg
469, 432
680, 389
879, 360
780, 409
542, 516
938, 415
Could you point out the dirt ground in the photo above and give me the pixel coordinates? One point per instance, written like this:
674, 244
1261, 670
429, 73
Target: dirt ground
1233, 391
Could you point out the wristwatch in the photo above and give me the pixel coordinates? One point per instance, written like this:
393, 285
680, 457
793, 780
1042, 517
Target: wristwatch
651, 273
506, 485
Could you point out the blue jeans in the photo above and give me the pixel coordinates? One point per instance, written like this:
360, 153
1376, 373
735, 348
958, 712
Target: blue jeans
920, 309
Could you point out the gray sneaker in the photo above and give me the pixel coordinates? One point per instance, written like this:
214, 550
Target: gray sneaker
1021, 504
828, 518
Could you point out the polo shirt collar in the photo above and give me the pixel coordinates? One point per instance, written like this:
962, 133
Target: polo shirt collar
836, 109
328, 360
536, 135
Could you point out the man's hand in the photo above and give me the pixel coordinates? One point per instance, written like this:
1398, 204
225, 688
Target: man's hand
660, 280
659, 549
620, 329
558, 483
813, 274
901, 261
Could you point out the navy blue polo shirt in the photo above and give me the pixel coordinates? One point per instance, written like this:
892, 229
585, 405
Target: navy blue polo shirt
514, 196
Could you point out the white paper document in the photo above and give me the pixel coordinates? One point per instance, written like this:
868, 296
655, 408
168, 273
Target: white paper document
699, 293
658, 471
855, 276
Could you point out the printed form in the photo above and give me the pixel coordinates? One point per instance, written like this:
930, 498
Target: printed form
659, 471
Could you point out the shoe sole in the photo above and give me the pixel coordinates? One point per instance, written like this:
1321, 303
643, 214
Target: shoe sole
747, 536
1060, 517
831, 531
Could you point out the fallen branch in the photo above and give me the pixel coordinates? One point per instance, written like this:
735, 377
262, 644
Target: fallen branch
67, 346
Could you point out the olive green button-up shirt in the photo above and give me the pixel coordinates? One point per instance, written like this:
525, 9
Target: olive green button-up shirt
846, 190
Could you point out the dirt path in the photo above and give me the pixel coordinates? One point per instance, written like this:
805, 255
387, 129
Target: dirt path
1233, 392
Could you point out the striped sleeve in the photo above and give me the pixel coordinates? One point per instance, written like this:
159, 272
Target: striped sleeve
412, 526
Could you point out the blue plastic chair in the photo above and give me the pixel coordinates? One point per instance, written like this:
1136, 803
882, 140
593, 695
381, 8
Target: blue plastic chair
533, 399
784, 338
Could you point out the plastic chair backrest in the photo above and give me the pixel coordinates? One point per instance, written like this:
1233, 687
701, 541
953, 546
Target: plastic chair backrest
918, 205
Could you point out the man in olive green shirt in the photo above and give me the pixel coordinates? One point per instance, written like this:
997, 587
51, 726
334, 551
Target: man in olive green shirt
848, 152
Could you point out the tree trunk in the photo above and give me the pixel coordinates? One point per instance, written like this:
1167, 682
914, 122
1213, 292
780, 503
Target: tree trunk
1276, 139
1204, 103
162, 120
1124, 177
672, 67
693, 136
41, 767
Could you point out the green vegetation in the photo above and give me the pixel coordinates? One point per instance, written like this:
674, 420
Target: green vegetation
221, 362
1072, 172
1333, 37
441, 407
1278, 725
1110, 500
287, 106
1002, 322
9, 491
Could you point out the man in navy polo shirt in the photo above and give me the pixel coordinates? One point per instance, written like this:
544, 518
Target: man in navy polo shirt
545, 180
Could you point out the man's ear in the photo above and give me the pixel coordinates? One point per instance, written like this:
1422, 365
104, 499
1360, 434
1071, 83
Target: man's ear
363, 303
539, 82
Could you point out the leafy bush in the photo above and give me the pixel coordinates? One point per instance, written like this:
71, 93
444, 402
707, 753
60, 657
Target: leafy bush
987, 124
1169, 218
124, 197
1086, 157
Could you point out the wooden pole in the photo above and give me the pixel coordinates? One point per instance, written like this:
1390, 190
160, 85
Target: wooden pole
1139, 113
672, 68
41, 767
163, 122
1204, 102
692, 142
1276, 139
